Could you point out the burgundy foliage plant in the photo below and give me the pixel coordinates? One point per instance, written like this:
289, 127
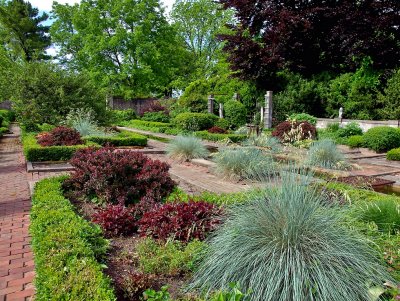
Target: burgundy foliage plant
181, 221
153, 106
306, 130
60, 136
217, 130
119, 176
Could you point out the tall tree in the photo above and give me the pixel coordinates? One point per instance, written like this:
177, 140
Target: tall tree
125, 45
311, 36
199, 22
21, 31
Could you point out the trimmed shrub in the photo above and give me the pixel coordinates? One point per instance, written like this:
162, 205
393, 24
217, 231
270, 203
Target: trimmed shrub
325, 154
185, 148
195, 121
301, 117
290, 132
235, 113
350, 129
119, 176
222, 123
124, 138
235, 138
288, 245
156, 127
67, 249
60, 136
393, 154
217, 130
384, 213
382, 138
355, 141
116, 220
170, 258
156, 117
181, 221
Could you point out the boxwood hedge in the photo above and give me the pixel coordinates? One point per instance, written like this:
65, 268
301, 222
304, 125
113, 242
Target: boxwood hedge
125, 138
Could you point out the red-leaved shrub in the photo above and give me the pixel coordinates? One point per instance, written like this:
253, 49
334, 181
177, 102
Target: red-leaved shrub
119, 176
181, 221
217, 130
131, 286
116, 220
60, 136
153, 106
288, 131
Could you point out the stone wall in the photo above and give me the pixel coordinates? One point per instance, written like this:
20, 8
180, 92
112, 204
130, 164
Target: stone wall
364, 124
136, 104
5, 105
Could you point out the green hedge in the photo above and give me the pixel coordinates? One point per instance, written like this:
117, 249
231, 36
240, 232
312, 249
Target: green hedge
36, 153
125, 138
382, 138
393, 154
155, 127
218, 137
195, 121
355, 141
67, 249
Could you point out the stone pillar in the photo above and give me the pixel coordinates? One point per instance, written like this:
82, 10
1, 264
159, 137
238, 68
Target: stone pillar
268, 110
211, 104
236, 97
221, 110
262, 115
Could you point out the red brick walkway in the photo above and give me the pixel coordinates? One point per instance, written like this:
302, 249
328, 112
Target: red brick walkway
16, 258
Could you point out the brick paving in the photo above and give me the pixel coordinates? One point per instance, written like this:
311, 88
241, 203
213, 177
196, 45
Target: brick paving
16, 257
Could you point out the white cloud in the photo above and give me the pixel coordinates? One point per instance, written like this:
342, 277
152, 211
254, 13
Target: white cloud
45, 5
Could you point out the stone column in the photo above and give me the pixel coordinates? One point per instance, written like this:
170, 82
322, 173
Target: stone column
221, 110
262, 115
211, 104
268, 110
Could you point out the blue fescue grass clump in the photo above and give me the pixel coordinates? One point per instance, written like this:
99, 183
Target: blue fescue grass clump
289, 245
185, 148
266, 141
324, 153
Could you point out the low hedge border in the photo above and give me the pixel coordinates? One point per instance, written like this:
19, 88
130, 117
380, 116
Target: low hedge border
393, 154
124, 138
219, 137
36, 153
67, 249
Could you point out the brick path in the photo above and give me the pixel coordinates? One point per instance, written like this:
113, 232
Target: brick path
16, 257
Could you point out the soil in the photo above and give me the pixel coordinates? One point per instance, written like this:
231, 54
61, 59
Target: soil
365, 181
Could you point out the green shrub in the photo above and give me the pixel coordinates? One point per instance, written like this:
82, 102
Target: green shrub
382, 138
124, 138
325, 154
170, 258
67, 249
333, 127
157, 127
8, 115
45, 127
156, 117
393, 154
300, 117
235, 113
195, 121
384, 213
235, 138
185, 148
350, 129
83, 120
355, 141
222, 123
118, 116
288, 245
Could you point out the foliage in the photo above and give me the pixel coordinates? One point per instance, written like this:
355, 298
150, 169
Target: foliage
333, 127
183, 221
124, 138
288, 245
194, 97
290, 132
152, 107
235, 138
115, 220
217, 130
310, 37
83, 120
324, 153
168, 258
133, 285
195, 121
67, 249
244, 163
300, 117
265, 141
222, 123
382, 138
185, 148
233, 294
118, 116
60, 136
119, 177
44, 93
384, 213
156, 116
235, 113
152, 295
5, 119
21, 31
389, 100
393, 154
350, 129
355, 141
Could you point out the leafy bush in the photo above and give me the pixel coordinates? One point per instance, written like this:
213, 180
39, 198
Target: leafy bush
235, 113
60, 136
119, 176
235, 138
222, 123
382, 138
45, 127
325, 154
355, 141
268, 142
152, 107
217, 130
244, 163
124, 138
83, 120
67, 249
290, 132
156, 116
287, 245
133, 285
118, 116
168, 258
333, 127
301, 117
185, 148
162, 295
195, 121
116, 220
393, 154
384, 213
181, 221
350, 129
